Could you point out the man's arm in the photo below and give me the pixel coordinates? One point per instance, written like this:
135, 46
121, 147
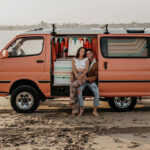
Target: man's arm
95, 77
86, 69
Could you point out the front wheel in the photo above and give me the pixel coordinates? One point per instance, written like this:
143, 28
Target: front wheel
25, 99
122, 104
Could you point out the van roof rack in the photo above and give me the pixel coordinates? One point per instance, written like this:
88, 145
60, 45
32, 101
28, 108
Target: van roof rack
38, 29
106, 28
53, 29
127, 30
134, 30
102, 30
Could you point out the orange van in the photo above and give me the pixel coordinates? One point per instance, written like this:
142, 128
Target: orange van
37, 64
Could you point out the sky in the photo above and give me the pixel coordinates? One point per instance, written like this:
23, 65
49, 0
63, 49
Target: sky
22, 12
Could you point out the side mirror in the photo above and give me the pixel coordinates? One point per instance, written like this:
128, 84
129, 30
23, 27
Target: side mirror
4, 54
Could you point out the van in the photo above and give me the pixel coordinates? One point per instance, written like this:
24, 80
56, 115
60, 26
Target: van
37, 65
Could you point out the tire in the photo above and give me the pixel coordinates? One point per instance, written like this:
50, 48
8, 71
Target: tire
25, 99
122, 104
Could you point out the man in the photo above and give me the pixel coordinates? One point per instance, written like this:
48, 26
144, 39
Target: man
92, 77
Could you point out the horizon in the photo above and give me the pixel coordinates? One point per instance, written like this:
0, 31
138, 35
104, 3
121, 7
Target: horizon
75, 23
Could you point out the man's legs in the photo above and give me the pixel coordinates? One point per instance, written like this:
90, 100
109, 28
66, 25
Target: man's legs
94, 88
80, 98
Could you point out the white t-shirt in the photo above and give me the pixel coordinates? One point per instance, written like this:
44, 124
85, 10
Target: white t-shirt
80, 63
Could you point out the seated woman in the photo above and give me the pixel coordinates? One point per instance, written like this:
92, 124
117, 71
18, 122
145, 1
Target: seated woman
80, 66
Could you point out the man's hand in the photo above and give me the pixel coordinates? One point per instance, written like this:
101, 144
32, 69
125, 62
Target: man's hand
86, 79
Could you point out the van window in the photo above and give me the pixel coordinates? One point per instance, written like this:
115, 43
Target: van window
124, 47
26, 47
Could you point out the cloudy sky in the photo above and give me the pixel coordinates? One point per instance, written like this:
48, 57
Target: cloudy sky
70, 11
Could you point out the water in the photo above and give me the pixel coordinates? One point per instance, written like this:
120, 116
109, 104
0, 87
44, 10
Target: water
7, 36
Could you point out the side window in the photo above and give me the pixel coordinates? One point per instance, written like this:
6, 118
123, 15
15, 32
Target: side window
124, 47
26, 47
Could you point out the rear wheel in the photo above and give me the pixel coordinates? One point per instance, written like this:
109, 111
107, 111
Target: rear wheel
122, 104
25, 99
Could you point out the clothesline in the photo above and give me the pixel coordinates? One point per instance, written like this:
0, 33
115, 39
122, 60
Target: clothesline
64, 42
73, 39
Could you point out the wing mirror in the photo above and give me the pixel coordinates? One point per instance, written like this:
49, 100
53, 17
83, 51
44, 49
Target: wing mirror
4, 54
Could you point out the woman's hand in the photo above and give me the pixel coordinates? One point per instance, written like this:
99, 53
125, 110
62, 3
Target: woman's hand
79, 77
71, 79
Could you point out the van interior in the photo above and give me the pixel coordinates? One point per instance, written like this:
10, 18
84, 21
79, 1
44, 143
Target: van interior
64, 48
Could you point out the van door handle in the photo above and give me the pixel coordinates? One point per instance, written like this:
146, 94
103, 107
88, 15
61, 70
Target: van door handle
105, 65
40, 61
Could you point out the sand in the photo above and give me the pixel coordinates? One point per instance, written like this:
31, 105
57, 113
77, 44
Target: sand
52, 127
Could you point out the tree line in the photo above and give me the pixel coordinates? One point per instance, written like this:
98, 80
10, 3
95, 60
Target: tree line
43, 24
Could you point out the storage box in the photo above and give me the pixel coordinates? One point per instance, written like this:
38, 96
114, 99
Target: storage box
62, 72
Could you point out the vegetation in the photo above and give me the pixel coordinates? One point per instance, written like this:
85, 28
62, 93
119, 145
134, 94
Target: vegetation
43, 24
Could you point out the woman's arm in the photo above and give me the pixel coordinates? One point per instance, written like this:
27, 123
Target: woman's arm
86, 69
74, 69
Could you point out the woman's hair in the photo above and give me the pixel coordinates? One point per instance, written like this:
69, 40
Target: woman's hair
78, 52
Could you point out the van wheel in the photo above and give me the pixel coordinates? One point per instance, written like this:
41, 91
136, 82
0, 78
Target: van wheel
25, 99
122, 104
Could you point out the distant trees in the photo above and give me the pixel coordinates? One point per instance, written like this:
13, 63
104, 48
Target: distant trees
43, 24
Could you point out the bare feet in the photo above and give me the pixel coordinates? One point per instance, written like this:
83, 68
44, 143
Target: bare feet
81, 112
75, 112
95, 114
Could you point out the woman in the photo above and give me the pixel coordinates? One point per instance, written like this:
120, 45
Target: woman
80, 66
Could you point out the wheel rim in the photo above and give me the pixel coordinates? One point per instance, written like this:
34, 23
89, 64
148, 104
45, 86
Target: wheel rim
24, 100
122, 102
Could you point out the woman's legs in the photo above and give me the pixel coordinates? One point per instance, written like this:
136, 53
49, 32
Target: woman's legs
80, 98
73, 90
73, 94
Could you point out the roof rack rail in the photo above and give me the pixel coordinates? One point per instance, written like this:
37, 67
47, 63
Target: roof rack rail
53, 29
35, 29
106, 29
135, 30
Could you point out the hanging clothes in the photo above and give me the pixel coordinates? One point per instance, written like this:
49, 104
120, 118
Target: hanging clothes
66, 43
57, 46
74, 47
62, 46
87, 44
84, 44
90, 43
66, 46
80, 39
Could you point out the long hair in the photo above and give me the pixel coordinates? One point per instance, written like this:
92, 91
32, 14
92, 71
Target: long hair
78, 52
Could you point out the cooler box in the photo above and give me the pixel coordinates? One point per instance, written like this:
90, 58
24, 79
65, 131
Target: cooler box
62, 72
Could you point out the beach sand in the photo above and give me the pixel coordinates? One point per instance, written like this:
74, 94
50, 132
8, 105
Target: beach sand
52, 127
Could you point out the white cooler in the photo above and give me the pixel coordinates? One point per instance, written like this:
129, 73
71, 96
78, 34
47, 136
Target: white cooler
62, 72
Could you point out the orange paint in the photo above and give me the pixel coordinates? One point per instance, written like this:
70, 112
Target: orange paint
120, 79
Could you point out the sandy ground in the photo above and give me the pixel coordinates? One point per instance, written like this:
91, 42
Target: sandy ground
52, 127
